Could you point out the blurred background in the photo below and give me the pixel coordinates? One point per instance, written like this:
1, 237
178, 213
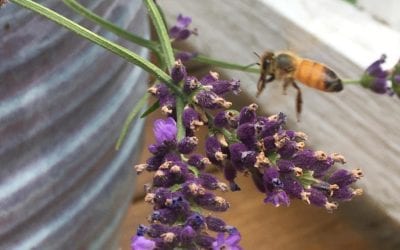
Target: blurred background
347, 36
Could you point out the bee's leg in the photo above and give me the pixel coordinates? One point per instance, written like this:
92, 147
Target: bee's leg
299, 100
263, 80
261, 84
286, 82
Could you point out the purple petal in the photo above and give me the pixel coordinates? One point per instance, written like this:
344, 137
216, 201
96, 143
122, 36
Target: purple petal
183, 21
141, 243
165, 130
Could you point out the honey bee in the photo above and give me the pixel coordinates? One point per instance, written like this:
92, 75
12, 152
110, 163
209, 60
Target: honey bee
289, 68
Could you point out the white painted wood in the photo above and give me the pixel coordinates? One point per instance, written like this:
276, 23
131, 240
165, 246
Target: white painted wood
386, 11
342, 27
356, 122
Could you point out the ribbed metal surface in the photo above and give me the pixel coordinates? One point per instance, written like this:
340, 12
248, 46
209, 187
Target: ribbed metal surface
62, 103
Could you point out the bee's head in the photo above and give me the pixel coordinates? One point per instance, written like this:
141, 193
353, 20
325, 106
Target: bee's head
266, 62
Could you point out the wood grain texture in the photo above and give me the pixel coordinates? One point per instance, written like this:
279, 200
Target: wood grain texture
355, 122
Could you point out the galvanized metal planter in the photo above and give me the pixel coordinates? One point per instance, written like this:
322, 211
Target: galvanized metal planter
62, 103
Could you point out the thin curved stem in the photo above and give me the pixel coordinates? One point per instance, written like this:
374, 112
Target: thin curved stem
225, 65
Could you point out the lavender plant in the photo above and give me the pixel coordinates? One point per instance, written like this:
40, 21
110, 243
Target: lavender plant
182, 192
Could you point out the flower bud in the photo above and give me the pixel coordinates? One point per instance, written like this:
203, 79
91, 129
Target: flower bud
178, 72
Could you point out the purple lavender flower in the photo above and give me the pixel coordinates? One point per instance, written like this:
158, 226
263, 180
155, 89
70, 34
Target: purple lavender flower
210, 100
164, 96
375, 78
231, 242
187, 145
185, 56
191, 118
141, 243
178, 72
188, 234
165, 130
180, 30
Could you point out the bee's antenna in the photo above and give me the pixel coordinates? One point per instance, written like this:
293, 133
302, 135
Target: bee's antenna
255, 53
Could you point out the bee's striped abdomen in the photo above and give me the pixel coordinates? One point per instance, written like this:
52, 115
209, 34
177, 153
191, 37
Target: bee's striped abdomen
318, 76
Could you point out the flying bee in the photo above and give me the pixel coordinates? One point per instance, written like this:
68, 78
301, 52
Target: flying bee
289, 68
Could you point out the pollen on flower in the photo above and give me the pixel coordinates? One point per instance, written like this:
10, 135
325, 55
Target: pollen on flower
358, 191
140, 168
300, 145
159, 173
330, 206
166, 165
149, 197
357, 173
222, 186
175, 169
301, 135
262, 160
304, 196
320, 155
168, 237
220, 156
338, 158
298, 171
196, 189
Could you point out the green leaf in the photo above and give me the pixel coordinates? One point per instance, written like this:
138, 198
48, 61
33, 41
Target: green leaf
150, 110
128, 121
162, 32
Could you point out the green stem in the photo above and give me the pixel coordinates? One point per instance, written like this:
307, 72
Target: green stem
225, 65
82, 10
134, 112
162, 33
351, 81
179, 111
101, 41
